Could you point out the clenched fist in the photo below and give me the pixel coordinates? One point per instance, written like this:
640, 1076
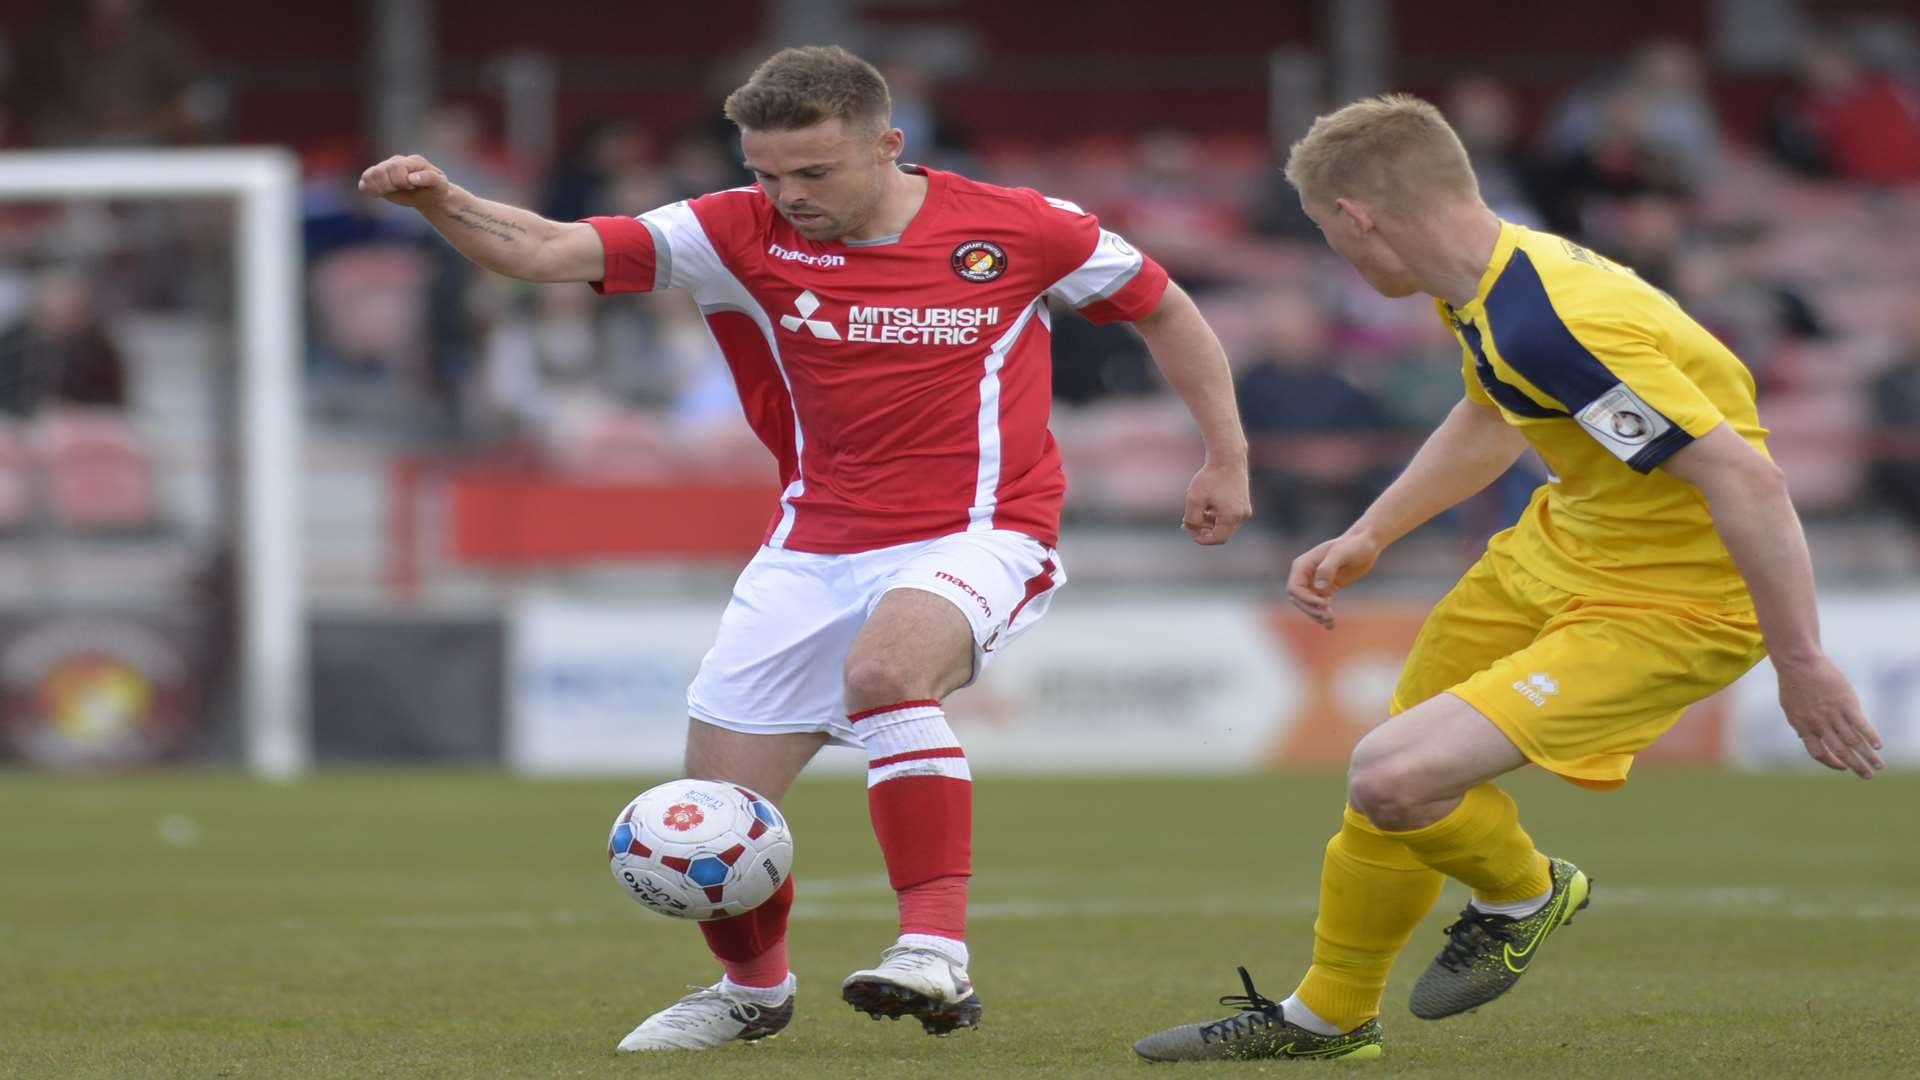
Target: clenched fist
407, 179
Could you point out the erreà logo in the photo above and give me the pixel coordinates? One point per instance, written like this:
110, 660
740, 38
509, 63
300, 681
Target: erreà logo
1537, 687
806, 305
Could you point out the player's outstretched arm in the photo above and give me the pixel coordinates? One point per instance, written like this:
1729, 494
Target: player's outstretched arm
505, 239
1747, 495
1188, 354
1468, 451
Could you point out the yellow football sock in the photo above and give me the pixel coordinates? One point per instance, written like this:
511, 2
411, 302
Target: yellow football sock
1373, 892
1481, 843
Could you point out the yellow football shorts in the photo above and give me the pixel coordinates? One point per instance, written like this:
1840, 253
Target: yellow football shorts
1579, 683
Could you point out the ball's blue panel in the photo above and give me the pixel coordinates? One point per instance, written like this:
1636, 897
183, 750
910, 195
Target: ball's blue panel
707, 871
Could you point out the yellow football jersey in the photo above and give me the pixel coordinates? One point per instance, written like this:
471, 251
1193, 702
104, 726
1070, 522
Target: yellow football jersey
1607, 377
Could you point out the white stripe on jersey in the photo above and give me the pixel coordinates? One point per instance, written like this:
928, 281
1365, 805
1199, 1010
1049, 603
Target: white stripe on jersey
1106, 271
986, 488
689, 261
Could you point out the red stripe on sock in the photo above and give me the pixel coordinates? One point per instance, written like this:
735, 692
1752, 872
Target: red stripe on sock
917, 755
855, 718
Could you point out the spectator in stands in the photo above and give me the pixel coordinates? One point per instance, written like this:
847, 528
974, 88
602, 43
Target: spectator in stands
1846, 120
1646, 232
1671, 115
1894, 473
1648, 131
1091, 363
1318, 456
561, 354
1617, 162
112, 72
583, 178
1482, 111
932, 138
60, 353
368, 358
1728, 288
540, 355
1175, 201
695, 164
1419, 382
456, 133
332, 213
1418, 385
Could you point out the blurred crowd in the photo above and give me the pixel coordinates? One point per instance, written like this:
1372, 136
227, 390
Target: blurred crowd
1790, 239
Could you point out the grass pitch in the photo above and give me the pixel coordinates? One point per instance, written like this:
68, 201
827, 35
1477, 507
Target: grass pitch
406, 923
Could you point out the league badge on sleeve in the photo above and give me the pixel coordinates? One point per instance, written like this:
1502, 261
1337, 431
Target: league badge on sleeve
979, 260
1623, 422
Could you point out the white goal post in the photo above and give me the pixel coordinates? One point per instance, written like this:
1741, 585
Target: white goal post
264, 182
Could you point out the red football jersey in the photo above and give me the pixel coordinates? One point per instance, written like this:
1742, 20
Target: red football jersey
903, 384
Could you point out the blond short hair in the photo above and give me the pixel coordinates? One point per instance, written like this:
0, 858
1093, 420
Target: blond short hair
1394, 151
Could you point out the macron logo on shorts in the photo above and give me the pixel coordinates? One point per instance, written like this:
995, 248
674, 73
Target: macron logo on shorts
968, 589
1537, 687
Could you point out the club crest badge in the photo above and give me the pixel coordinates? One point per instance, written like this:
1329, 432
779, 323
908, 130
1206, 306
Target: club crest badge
979, 260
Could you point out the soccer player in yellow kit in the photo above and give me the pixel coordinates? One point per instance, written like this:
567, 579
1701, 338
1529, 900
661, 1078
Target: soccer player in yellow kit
1659, 562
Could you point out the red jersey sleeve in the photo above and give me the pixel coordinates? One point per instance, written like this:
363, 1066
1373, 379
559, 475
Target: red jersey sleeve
632, 259
1094, 270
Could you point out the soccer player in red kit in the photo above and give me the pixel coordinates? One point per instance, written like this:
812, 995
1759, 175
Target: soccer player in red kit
887, 327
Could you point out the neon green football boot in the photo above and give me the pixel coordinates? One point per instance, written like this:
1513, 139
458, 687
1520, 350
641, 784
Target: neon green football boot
1257, 1032
1486, 953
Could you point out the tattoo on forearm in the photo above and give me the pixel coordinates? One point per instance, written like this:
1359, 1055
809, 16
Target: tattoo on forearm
493, 226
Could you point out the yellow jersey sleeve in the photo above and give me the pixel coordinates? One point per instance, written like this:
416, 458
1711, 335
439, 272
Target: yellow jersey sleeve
1598, 362
1647, 373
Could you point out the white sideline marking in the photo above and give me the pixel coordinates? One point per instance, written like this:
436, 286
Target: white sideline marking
868, 899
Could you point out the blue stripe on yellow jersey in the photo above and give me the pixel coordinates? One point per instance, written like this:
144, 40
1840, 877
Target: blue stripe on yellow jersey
1607, 377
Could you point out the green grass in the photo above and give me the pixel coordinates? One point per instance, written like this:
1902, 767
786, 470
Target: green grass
457, 924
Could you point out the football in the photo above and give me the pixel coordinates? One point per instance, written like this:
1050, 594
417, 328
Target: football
700, 849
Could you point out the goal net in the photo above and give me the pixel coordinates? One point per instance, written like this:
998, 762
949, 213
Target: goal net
150, 575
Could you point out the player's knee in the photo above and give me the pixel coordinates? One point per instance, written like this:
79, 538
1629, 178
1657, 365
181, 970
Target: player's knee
1386, 793
877, 679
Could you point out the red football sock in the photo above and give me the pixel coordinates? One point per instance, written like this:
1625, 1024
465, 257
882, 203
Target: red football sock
937, 907
920, 795
753, 947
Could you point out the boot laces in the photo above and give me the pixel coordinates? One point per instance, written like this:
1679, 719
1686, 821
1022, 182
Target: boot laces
1258, 1012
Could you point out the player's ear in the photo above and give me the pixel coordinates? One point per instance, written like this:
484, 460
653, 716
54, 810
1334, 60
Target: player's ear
892, 143
1361, 217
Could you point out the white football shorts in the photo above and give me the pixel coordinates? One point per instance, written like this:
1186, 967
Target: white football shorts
779, 662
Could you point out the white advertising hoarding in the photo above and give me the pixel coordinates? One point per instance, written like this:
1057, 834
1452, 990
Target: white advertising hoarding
1876, 641
1097, 685
1122, 683
599, 688
1132, 685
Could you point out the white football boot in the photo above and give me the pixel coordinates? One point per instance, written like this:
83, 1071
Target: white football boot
709, 1017
917, 982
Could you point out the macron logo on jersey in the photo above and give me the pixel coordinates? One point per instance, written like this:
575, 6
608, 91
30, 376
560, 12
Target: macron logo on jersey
818, 262
806, 305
